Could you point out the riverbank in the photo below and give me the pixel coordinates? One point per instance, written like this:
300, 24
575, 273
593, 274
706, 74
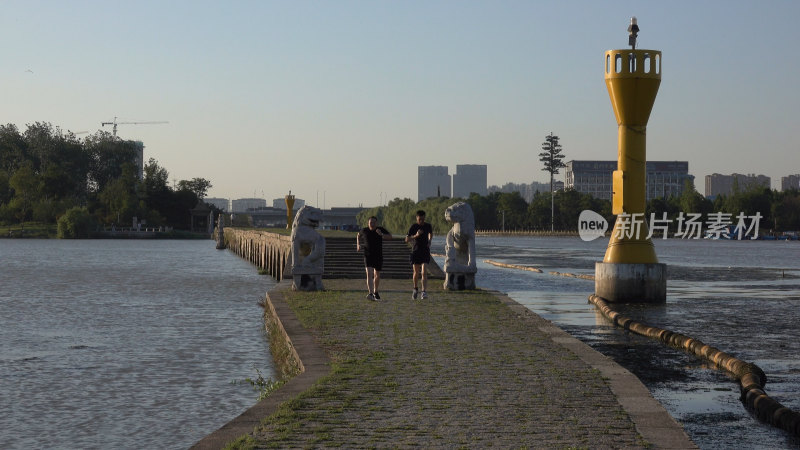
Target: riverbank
50, 231
469, 368
29, 230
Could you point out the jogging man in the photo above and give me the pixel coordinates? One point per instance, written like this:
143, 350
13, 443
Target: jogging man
420, 235
373, 237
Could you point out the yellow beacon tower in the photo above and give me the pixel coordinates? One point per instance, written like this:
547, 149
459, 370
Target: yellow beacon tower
289, 199
630, 271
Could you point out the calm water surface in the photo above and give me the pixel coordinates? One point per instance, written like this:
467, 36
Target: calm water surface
125, 344
742, 297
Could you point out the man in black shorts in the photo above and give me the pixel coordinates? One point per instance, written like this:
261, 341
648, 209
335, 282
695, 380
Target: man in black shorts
373, 237
421, 235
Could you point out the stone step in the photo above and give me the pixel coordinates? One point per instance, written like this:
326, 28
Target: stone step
343, 261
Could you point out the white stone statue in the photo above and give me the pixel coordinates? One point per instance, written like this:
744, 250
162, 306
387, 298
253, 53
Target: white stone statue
460, 265
308, 250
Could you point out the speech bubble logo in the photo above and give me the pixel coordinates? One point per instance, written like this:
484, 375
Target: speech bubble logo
591, 225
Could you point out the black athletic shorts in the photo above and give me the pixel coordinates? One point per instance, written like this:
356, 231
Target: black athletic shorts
421, 257
376, 262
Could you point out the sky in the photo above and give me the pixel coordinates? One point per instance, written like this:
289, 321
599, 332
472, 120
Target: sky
341, 101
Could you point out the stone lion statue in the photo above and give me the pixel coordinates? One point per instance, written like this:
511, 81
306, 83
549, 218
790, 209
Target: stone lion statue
460, 265
308, 250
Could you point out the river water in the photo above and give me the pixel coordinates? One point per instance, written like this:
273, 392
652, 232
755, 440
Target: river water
742, 297
146, 344
125, 343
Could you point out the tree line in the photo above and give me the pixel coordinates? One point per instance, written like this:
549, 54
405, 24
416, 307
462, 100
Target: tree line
779, 211
496, 211
45, 173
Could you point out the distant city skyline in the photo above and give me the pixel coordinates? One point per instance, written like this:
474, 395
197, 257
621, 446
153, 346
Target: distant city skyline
340, 102
439, 183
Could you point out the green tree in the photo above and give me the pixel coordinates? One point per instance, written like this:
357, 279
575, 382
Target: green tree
434, 214
540, 211
552, 159
398, 215
13, 149
753, 199
155, 192
512, 210
75, 223
485, 211
692, 201
108, 155
156, 178
69, 170
5, 188
569, 206
167, 207
25, 184
119, 199
394, 216
42, 144
199, 186
786, 211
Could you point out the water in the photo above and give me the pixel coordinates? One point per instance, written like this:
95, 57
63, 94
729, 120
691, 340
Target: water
742, 297
125, 344
136, 344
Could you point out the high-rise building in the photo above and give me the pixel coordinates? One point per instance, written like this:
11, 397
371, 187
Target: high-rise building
469, 178
717, 184
790, 182
241, 205
432, 181
139, 158
590, 177
221, 203
664, 178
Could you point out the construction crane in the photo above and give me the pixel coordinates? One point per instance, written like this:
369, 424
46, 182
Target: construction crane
65, 133
115, 123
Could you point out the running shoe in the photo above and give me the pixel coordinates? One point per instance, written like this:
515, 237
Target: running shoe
424, 295
370, 296
415, 294
377, 296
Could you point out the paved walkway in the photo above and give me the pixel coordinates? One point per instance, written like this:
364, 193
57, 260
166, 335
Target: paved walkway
466, 369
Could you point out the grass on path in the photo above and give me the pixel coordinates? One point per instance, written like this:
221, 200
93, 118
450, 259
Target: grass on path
458, 369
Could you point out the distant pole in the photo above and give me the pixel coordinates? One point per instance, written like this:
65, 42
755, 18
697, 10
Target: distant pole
552, 204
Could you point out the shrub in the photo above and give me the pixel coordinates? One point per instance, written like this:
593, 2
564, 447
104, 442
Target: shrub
75, 223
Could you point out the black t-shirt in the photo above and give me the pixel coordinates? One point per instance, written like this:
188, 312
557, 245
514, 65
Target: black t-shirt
373, 242
420, 243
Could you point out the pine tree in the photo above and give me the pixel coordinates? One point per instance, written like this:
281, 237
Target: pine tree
551, 157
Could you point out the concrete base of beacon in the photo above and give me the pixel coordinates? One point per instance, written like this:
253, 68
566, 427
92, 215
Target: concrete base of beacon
631, 283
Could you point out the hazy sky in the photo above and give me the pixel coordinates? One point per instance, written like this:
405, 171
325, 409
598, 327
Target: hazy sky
340, 101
